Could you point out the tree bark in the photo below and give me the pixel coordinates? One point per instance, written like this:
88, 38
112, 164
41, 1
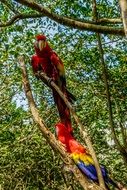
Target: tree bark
123, 6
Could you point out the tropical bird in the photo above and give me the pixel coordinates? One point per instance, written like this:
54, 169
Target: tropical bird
47, 61
81, 156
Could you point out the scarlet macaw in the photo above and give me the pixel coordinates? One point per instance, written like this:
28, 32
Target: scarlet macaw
47, 60
81, 156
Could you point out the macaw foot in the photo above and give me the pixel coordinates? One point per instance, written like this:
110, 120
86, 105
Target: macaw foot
49, 81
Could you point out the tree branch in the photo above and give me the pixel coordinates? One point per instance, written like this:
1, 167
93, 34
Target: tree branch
109, 21
94, 11
71, 22
83, 130
123, 6
105, 77
21, 16
51, 140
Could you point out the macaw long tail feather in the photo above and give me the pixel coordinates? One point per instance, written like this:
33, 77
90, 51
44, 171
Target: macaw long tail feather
113, 183
63, 110
90, 172
107, 187
70, 96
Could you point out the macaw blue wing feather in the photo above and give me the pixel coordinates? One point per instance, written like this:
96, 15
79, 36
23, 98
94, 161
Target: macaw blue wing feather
88, 170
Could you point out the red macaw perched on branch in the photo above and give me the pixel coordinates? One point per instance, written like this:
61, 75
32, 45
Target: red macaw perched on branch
81, 156
47, 61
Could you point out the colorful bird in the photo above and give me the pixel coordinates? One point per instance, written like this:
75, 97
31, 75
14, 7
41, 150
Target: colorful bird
81, 156
47, 60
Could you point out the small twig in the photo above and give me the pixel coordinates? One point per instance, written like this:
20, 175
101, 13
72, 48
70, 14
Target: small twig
18, 17
9, 6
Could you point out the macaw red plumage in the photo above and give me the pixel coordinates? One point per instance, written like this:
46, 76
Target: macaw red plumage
47, 60
81, 156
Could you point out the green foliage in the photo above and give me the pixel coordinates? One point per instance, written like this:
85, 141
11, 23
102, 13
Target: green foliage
27, 162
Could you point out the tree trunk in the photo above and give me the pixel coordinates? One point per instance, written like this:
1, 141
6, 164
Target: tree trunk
123, 6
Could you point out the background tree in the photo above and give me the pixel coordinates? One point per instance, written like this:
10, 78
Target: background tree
69, 27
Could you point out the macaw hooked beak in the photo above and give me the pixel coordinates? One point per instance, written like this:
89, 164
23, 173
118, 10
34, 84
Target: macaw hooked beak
41, 44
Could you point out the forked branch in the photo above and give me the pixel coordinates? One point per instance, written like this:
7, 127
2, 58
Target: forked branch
83, 129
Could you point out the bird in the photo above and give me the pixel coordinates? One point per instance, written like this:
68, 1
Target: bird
47, 61
81, 156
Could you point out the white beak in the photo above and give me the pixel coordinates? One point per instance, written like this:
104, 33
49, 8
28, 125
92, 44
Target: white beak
41, 44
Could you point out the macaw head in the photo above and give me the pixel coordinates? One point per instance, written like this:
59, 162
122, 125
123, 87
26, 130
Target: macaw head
40, 42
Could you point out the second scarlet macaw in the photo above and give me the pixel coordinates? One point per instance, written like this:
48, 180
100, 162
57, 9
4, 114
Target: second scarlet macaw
47, 60
81, 156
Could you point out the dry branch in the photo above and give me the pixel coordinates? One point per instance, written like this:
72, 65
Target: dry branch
95, 18
83, 130
51, 140
21, 16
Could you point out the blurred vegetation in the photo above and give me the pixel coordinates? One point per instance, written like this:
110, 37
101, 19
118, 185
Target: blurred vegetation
26, 161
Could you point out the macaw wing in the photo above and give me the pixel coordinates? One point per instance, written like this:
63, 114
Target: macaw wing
86, 164
56, 61
58, 65
75, 146
88, 170
35, 64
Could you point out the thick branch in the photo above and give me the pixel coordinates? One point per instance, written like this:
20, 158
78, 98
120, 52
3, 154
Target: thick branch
71, 22
123, 5
21, 16
49, 136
